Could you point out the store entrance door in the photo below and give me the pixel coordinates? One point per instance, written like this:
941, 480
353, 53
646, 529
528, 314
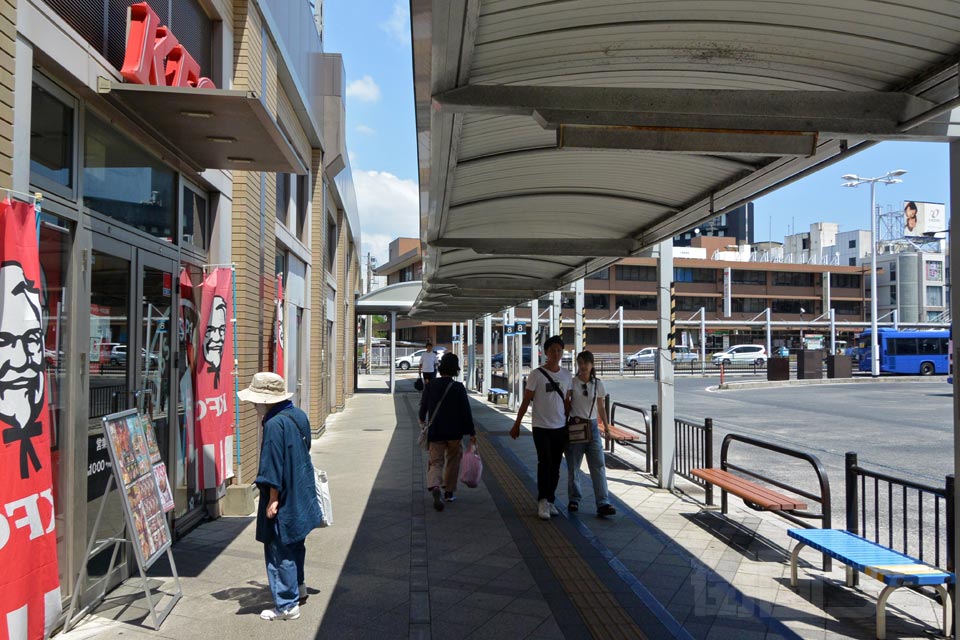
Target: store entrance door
130, 365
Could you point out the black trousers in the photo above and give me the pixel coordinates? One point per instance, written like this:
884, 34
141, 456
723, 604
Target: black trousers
550, 443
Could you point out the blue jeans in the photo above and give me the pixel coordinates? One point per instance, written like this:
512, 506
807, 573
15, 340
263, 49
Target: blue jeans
284, 569
595, 461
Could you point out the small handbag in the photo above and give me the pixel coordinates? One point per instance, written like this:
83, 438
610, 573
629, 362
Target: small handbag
422, 440
581, 429
418, 384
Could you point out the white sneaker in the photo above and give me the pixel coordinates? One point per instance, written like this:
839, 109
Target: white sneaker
553, 510
273, 614
543, 510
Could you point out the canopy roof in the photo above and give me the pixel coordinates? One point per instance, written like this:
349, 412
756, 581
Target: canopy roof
557, 137
395, 297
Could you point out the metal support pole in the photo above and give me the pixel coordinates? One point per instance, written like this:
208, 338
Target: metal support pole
471, 354
954, 315
393, 351
665, 438
896, 318
874, 338
487, 352
508, 348
578, 337
769, 333
534, 329
703, 341
833, 332
557, 315
620, 313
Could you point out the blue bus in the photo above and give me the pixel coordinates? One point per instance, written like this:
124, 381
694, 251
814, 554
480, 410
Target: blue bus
910, 352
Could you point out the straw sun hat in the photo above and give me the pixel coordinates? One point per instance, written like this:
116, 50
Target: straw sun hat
266, 388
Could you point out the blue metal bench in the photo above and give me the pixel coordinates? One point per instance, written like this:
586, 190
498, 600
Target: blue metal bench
890, 567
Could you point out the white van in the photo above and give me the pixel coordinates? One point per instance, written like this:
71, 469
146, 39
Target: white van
742, 354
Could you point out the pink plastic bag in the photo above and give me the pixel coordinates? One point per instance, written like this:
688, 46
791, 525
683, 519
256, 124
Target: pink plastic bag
471, 467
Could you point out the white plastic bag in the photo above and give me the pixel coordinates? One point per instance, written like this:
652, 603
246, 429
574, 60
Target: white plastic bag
323, 497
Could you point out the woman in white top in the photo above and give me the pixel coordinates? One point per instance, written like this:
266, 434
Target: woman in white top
547, 388
586, 400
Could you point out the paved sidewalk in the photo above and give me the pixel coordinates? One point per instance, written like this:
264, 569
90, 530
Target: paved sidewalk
485, 567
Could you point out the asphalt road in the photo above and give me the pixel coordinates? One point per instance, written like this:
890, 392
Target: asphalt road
903, 427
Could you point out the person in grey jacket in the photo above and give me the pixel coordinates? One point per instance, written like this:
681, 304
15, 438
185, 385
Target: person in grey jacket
445, 404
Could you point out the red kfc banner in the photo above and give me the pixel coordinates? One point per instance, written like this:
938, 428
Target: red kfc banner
278, 331
29, 581
214, 371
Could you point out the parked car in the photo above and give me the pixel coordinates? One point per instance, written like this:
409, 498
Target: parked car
118, 356
649, 355
413, 360
496, 360
742, 354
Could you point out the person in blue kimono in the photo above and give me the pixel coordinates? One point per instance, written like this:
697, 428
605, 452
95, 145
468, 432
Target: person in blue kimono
288, 509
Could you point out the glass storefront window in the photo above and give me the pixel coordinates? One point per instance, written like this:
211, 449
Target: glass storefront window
187, 493
55, 240
195, 228
124, 182
51, 141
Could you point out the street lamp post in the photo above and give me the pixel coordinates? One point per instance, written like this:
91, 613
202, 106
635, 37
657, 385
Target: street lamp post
853, 180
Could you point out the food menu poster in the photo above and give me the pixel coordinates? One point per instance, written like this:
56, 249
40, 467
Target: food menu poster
132, 443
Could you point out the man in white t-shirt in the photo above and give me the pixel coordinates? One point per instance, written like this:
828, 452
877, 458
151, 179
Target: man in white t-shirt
428, 364
547, 389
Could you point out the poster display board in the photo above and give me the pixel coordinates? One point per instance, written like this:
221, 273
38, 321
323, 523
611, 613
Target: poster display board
133, 449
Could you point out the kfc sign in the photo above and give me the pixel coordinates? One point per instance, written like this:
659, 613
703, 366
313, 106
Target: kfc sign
155, 56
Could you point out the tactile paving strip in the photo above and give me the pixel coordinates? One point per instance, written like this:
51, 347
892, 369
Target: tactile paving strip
603, 616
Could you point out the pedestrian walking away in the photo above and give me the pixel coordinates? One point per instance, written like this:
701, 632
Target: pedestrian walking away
288, 508
586, 401
445, 409
428, 364
546, 389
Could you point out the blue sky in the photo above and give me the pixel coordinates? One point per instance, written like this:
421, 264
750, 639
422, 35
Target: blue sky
374, 38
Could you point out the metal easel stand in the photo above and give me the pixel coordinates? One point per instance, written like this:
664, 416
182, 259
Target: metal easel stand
95, 547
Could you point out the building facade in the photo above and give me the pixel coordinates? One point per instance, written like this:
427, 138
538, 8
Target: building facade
914, 284
147, 190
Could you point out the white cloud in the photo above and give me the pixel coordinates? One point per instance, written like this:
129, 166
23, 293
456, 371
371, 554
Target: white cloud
364, 90
398, 24
353, 157
389, 208
365, 130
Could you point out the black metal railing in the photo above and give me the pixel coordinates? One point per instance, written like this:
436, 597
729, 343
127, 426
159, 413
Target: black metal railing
644, 439
910, 517
694, 450
106, 400
797, 517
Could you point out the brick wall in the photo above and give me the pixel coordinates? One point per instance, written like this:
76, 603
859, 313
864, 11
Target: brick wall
319, 391
8, 37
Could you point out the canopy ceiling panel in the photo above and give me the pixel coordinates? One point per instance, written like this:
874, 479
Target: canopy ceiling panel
557, 137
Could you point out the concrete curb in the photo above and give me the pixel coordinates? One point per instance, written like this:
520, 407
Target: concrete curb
762, 384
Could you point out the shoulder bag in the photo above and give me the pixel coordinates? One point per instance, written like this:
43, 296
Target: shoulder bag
581, 430
422, 439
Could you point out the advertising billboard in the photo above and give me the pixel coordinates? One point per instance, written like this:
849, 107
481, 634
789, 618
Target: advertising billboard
923, 218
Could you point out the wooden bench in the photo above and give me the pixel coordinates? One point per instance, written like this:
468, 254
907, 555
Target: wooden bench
755, 495
892, 568
495, 395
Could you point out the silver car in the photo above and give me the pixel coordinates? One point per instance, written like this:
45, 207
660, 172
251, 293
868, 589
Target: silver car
649, 355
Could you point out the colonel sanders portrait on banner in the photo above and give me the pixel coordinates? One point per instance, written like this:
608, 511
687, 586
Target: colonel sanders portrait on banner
21, 363
213, 338
29, 580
